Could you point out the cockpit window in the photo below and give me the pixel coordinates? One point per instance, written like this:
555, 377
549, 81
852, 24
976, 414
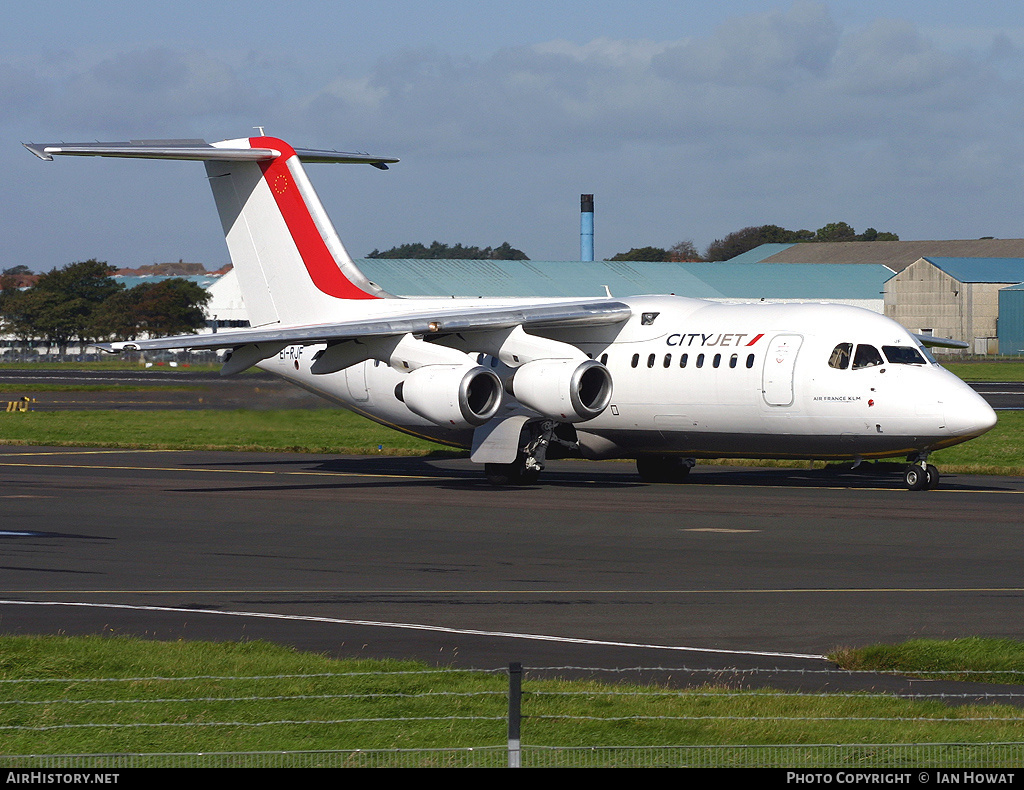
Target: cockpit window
866, 357
840, 358
903, 355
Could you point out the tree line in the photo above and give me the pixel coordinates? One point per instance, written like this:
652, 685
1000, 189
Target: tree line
438, 251
82, 303
745, 239
724, 249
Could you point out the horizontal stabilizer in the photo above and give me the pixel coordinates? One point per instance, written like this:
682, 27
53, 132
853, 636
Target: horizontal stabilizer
199, 150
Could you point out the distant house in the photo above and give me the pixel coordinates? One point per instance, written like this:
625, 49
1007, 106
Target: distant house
173, 269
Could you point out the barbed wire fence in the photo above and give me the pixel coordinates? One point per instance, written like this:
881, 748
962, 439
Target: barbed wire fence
509, 721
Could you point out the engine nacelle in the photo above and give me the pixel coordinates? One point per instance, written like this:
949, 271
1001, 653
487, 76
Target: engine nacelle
462, 396
563, 389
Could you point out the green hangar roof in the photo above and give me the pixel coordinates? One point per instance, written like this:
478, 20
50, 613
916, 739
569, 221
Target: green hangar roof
981, 270
729, 280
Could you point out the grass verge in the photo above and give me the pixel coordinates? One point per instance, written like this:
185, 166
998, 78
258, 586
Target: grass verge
334, 431
974, 659
97, 694
984, 370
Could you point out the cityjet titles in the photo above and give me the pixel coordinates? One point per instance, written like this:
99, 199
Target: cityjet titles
701, 340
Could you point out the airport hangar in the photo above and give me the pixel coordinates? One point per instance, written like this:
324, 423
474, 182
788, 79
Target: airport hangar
966, 290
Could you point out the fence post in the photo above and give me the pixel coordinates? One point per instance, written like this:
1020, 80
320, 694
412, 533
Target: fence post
515, 701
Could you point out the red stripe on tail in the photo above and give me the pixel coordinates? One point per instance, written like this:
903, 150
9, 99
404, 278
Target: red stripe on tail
323, 269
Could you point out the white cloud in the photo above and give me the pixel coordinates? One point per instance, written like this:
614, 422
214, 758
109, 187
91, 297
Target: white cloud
792, 73
773, 50
156, 91
758, 81
769, 118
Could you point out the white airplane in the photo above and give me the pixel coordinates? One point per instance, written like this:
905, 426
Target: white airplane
518, 381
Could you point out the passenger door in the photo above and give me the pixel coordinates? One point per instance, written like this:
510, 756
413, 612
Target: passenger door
779, 368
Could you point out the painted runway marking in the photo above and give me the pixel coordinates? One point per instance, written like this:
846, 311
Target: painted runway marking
417, 627
90, 452
399, 593
197, 469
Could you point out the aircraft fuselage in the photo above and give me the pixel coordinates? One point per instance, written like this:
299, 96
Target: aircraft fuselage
705, 379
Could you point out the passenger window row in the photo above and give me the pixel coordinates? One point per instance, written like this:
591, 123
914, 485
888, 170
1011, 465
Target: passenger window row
698, 361
666, 361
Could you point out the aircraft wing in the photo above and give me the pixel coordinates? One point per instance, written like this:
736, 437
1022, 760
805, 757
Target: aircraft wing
941, 342
436, 323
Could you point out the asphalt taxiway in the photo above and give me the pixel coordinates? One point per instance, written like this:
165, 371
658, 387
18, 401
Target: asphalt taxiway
763, 569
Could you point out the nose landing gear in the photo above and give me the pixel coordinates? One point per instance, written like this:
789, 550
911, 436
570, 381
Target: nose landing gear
920, 475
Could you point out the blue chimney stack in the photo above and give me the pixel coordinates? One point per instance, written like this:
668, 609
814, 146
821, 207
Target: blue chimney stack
586, 227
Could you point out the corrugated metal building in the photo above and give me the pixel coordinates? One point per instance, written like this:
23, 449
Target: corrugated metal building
957, 297
860, 286
1011, 319
729, 281
954, 297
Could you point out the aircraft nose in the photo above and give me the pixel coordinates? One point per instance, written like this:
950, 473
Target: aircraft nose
968, 414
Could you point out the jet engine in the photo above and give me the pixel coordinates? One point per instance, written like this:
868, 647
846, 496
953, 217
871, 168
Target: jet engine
563, 389
462, 396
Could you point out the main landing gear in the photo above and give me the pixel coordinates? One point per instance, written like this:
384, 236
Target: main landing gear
920, 475
538, 437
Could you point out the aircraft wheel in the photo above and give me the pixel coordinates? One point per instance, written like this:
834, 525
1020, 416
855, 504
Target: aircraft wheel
933, 477
916, 478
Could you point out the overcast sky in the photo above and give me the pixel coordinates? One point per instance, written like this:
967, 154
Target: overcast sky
686, 119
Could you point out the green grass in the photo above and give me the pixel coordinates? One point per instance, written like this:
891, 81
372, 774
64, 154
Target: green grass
403, 705
974, 659
986, 371
1000, 451
21, 388
336, 431
114, 363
